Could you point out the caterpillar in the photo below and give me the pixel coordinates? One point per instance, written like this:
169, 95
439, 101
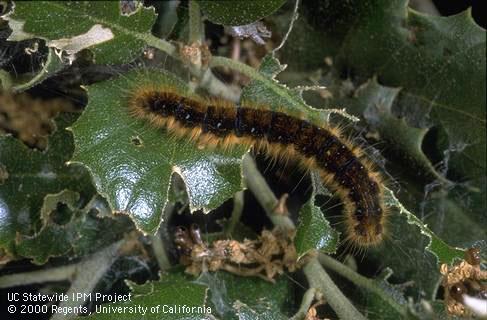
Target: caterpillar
341, 165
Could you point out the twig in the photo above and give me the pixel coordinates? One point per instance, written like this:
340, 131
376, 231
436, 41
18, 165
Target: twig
238, 205
160, 251
5, 80
257, 184
160, 44
88, 274
426, 6
306, 302
207, 78
217, 88
237, 66
157, 242
359, 280
251, 73
195, 24
316, 275
319, 279
39, 276
291, 25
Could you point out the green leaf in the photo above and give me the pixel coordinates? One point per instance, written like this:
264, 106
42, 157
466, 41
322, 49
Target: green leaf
256, 312
383, 300
266, 90
50, 67
420, 61
404, 252
444, 252
461, 225
439, 62
72, 26
225, 295
132, 162
167, 19
69, 229
377, 102
160, 300
235, 297
271, 67
314, 231
43, 63
460, 207
390, 304
238, 12
43, 244
304, 49
26, 183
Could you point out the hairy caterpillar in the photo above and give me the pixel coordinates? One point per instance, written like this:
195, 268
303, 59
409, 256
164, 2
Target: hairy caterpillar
218, 122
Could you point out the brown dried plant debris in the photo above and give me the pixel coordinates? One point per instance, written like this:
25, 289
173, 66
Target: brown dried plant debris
465, 278
312, 313
269, 255
29, 119
281, 208
196, 53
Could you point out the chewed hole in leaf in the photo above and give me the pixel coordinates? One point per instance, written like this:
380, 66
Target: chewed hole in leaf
136, 141
434, 141
138, 182
61, 215
128, 7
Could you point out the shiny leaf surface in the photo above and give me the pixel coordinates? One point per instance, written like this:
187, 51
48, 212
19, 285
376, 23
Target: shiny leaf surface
113, 36
132, 162
237, 12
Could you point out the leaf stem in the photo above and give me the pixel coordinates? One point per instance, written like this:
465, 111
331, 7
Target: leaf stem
39, 276
439, 248
295, 104
195, 23
238, 205
217, 88
257, 184
206, 77
160, 44
237, 66
308, 298
157, 241
359, 280
88, 274
316, 275
160, 251
319, 279
5, 80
